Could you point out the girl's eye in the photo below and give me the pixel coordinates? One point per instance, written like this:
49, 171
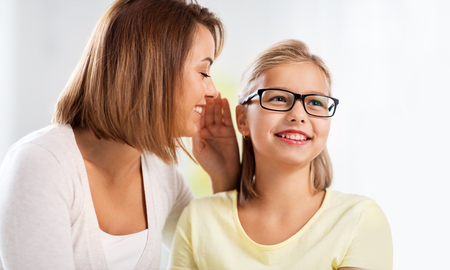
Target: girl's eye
279, 99
205, 75
316, 103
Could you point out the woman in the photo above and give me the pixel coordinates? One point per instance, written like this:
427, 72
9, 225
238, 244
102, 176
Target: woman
96, 190
284, 216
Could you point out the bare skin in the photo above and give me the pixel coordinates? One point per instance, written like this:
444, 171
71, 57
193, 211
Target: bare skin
283, 207
115, 178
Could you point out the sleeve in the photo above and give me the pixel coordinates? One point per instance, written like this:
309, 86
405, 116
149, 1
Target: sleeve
183, 197
371, 247
182, 255
35, 225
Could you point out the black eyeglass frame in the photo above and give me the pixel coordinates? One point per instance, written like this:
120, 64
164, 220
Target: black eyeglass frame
259, 92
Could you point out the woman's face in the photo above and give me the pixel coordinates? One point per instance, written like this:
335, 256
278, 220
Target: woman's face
197, 84
291, 137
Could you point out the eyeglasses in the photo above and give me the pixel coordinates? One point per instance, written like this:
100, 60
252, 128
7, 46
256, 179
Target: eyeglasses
282, 101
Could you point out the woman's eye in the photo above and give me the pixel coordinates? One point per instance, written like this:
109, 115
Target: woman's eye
205, 75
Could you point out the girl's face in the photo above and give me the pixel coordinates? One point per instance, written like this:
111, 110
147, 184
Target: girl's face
291, 137
196, 84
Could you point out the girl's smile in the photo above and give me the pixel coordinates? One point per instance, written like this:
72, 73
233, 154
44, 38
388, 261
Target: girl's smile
293, 136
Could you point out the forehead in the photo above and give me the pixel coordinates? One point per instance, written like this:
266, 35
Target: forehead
202, 46
302, 78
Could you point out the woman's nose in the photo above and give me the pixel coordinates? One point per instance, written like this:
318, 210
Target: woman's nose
211, 91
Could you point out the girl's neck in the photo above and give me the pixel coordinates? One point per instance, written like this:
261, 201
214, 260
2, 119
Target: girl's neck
283, 187
286, 202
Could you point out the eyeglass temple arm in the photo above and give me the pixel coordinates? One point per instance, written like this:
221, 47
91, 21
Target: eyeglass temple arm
250, 97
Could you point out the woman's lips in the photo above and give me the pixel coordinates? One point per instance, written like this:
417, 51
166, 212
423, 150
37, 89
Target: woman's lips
198, 109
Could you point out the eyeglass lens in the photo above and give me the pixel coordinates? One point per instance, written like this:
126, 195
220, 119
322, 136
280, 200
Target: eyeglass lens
283, 101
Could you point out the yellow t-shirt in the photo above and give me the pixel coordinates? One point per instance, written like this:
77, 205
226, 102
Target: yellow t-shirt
347, 231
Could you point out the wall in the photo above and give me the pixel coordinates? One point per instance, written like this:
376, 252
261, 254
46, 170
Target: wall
389, 61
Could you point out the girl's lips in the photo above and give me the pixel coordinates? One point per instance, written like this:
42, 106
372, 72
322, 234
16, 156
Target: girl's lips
295, 137
294, 142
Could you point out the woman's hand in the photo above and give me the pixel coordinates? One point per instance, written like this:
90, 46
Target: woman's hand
215, 146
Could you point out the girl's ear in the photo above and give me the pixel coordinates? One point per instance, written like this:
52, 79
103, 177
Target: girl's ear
241, 119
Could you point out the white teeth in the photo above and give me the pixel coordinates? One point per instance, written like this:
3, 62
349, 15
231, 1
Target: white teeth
295, 137
198, 109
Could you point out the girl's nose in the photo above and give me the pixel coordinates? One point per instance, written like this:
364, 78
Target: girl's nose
297, 113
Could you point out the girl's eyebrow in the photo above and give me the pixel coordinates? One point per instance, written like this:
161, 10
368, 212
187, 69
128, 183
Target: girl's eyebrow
307, 92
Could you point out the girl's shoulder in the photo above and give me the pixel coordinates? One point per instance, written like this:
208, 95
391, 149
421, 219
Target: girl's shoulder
339, 205
336, 199
221, 200
361, 225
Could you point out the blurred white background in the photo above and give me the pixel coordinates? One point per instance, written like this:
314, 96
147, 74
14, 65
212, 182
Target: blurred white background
390, 62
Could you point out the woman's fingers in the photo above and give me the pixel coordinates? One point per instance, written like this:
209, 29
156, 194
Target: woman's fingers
209, 115
226, 113
218, 110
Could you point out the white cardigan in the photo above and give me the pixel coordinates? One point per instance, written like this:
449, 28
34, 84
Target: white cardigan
47, 217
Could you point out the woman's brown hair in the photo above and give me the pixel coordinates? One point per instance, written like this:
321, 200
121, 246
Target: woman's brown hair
125, 86
283, 53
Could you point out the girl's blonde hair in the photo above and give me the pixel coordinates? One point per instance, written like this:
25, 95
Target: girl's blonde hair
283, 53
125, 85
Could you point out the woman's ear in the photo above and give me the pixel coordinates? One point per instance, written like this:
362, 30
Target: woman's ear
241, 119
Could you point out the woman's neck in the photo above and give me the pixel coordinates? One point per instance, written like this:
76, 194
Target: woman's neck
115, 159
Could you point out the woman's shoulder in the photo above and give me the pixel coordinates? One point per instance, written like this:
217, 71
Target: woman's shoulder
43, 154
53, 138
42, 161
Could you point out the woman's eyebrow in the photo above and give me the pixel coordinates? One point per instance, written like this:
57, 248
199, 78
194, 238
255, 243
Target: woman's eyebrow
209, 59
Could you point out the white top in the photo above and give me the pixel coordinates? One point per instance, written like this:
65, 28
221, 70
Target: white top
122, 252
47, 217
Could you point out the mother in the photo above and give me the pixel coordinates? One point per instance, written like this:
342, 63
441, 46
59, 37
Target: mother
95, 190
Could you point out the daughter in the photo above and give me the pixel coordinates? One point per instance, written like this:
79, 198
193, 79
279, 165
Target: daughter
284, 216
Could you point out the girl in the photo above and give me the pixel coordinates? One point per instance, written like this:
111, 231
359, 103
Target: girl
95, 190
284, 216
